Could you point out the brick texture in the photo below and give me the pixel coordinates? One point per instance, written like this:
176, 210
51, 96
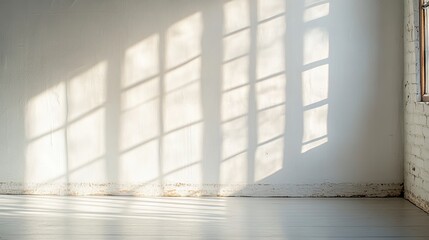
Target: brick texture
416, 119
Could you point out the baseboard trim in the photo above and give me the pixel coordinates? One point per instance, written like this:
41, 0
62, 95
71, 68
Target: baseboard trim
416, 200
212, 190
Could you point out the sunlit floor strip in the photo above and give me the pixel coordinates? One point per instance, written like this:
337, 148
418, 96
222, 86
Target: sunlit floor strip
110, 217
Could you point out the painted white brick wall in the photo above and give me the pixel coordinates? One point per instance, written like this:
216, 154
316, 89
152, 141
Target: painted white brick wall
416, 115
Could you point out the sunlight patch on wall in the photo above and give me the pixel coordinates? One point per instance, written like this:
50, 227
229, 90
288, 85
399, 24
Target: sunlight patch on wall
139, 124
234, 118
182, 100
270, 88
315, 79
315, 127
85, 128
317, 11
141, 61
86, 149
186, 74
46, 150
46, 159
182, 155
140, 135
233, 170
271, 52
271, 92
184, 40
87, 91
182, 108
235, 92
234, 137
270, 8
311, 3
306, 146
235, 73
183, 89
315, 84
316, 45
140, 164
268, 159
139, 118
271, 124
140, 94
65, 129
236, 15
270, 130
235, 103
270, 104
46, 111
234, 151
236, 45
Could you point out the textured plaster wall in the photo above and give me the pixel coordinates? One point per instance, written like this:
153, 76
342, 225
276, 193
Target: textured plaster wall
416, 115
241, 97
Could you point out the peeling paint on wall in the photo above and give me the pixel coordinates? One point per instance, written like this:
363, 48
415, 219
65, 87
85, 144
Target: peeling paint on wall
209, 190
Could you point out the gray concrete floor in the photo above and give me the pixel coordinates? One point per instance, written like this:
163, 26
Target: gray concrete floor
117, 217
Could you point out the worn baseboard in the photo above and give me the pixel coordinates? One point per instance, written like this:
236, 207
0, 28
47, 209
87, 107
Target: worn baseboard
416, 200
196, 190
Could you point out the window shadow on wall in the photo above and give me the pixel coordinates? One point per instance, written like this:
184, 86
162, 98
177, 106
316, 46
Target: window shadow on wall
135, 94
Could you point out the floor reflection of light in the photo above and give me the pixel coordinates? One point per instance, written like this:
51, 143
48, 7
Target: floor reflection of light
118, 208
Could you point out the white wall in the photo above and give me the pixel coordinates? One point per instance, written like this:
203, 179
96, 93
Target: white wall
416, 112
239, 97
